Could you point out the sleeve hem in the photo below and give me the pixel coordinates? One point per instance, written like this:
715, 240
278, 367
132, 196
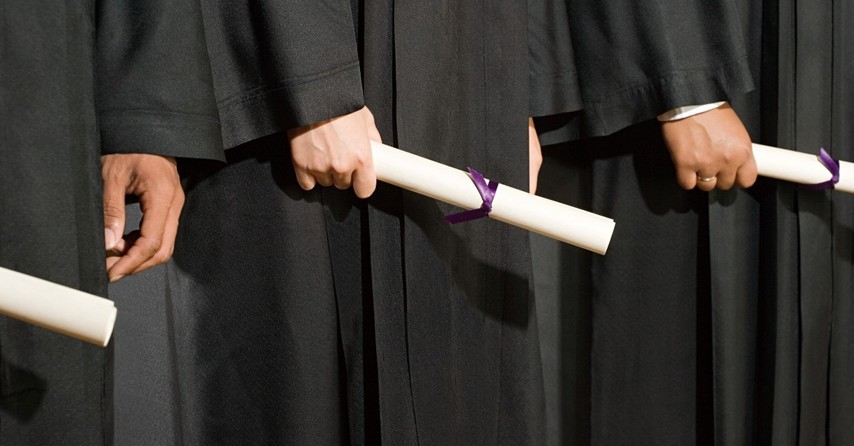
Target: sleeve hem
631, 106
173, 134
291, 104
552, 94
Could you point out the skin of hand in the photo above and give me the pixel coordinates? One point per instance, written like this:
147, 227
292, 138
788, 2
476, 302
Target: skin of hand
711, 144
336, 152
535, 156
154, 180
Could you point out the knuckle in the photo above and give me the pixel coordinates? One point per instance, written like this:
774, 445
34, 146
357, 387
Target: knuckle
162, 256
111, 210
151, 246
179, 198
338, 166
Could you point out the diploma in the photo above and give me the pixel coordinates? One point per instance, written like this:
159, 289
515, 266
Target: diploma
56, 307
518, 208
800, 167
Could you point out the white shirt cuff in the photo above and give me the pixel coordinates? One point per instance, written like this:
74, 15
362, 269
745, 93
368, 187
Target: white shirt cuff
687, 111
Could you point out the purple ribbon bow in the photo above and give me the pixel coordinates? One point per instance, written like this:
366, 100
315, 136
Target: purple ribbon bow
832, 166
487, 194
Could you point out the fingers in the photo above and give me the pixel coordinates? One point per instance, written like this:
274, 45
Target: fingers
747, 174
154, 179
156, 206
706, 182
686, 177
115, 183
726, 179
364, 178
304, 178
336, 153
710, 151
535, 157
170, 233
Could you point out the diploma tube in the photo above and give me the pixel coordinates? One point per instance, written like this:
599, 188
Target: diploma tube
518, 208
800, 167
57, 308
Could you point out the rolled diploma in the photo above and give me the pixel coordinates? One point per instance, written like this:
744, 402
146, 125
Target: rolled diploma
537, 214
55, 307
800, 167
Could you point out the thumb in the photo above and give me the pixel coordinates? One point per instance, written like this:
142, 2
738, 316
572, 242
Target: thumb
114, 212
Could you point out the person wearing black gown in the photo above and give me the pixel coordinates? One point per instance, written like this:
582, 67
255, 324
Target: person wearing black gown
719, 318
303, 315
137, 97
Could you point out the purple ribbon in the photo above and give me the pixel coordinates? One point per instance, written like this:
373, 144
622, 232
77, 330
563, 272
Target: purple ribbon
487, 194
832, 166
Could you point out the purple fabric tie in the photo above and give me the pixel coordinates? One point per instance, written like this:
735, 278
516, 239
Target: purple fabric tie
487, 194
832, 166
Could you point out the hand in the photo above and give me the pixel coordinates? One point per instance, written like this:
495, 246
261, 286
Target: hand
154, 179
336, 152
711, 149
535, 156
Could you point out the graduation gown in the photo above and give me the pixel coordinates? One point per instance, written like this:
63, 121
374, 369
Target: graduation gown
627, 346
62, 98
797, 337
771, 281
310, 317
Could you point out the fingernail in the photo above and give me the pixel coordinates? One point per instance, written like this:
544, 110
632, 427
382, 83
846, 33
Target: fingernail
109, 238
116, 278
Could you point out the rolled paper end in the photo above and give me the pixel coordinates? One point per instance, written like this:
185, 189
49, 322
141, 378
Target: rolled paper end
108, 330
832, 166
487, 194
58, 308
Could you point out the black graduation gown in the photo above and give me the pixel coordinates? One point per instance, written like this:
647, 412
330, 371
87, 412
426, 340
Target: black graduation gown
53, 389
301, 317
773, 337
628, 348
796, 337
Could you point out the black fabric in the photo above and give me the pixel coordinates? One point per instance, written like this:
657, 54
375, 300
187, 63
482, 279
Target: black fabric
637, 59
154, 80
259, 88
553, 76
55, 390
752, 345
807, 103
312, 317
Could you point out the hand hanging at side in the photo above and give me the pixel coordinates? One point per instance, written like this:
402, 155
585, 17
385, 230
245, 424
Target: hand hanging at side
154, 179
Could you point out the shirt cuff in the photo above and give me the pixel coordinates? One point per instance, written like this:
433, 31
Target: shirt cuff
688, 111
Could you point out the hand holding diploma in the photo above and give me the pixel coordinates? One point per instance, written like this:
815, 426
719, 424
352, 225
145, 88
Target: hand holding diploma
710, 150
336, 152
332, 153
56, 307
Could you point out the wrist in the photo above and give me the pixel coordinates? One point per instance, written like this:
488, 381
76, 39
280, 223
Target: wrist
687, 111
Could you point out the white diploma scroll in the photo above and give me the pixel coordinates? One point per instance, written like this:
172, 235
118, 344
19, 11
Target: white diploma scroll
56, 307
537, 214
800, 167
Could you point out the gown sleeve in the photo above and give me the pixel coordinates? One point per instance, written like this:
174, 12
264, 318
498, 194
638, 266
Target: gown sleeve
153, 83
555, 98
639, 58
553, 77
280, 65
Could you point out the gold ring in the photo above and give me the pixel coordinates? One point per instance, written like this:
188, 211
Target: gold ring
707, 180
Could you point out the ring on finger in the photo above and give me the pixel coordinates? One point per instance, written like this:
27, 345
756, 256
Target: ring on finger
707, 179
